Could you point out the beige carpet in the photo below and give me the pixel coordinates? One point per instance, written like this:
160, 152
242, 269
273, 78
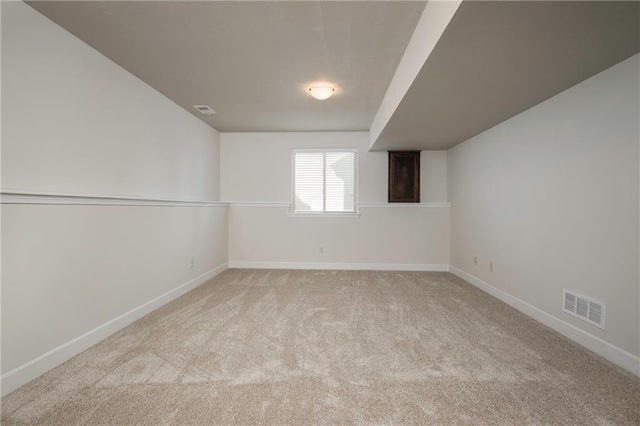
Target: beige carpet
337, 347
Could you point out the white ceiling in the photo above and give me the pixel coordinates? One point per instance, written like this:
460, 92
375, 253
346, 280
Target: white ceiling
496, 59
252, 61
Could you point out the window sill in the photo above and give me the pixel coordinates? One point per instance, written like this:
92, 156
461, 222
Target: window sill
350, 215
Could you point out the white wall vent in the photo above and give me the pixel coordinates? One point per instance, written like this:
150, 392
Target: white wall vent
204, 109
585, 308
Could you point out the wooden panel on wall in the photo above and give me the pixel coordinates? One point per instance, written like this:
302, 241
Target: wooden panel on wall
404, 176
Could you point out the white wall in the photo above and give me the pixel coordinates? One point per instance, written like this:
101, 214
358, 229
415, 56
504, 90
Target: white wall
551, 198
76, 123
256, 168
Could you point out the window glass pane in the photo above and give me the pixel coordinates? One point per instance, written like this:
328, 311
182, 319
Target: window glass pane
308, 181
324, 181
340, 181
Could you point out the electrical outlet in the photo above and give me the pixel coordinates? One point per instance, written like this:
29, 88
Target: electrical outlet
475, 260
193, 263
321, 249
490, 266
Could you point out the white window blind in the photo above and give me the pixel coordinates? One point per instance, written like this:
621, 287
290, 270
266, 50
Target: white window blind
324, 181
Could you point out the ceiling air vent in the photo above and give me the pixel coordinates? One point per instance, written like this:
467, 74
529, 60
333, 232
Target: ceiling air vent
204, 109
585, 308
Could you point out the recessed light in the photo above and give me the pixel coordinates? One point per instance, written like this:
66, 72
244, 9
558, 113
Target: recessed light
204, 109
321, 92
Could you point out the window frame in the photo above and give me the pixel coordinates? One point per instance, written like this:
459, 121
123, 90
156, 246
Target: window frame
323, 213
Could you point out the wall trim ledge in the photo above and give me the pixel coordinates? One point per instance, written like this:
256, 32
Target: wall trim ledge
36, 367
260, 204
364, 204
424, 205
12, 196
618, 356
234, 264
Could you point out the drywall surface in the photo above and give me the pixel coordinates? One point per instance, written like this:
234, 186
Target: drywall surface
380, 238
433, 176
256, 178
550, 197
69, 269
257, 166
74, 123
433, 21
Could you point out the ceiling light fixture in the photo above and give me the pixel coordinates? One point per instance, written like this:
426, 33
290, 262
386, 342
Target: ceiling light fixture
321, 92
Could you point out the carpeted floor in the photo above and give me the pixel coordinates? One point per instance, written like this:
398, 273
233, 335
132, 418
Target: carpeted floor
338, 347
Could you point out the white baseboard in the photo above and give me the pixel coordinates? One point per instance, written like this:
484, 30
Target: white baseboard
36, 367
618, 356
341, 266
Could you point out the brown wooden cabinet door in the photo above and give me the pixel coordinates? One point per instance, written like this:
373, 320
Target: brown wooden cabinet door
404, 176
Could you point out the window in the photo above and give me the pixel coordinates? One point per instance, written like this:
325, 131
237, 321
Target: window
324, 181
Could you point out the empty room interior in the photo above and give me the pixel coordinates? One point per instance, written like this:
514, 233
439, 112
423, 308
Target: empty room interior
320, 212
